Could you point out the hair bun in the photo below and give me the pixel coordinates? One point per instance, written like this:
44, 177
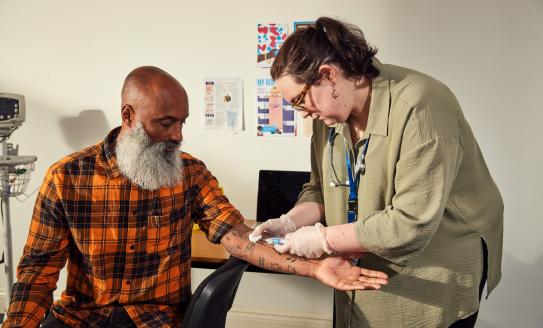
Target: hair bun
319, 25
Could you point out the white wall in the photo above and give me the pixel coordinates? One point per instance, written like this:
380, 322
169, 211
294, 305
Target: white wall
69, 59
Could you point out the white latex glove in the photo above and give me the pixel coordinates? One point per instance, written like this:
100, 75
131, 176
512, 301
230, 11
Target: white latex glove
309, 242
280, 226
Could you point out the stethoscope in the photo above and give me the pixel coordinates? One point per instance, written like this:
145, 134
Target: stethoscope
353, 173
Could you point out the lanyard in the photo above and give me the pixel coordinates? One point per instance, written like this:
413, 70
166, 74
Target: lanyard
354, 179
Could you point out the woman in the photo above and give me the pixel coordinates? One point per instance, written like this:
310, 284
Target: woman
397, 177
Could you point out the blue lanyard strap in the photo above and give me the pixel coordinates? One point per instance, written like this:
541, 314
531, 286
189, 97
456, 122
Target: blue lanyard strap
354, 180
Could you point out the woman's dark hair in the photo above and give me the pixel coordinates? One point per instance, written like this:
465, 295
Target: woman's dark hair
329, 41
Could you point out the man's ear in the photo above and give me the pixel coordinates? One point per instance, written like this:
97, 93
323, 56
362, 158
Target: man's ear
127, 115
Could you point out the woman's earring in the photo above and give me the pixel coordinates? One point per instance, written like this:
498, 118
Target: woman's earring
334, 94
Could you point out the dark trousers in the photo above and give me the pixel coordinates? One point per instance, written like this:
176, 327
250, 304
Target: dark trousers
469, 322
118, 319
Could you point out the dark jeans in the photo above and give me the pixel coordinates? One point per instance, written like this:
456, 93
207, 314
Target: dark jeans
469, 322
118, 319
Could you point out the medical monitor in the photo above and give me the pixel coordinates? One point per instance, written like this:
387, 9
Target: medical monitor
278, 192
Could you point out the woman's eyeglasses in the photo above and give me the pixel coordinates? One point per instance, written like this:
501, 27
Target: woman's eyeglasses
298, 101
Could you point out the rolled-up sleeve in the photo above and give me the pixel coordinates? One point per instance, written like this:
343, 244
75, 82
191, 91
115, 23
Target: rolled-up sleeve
425, 173
213, 212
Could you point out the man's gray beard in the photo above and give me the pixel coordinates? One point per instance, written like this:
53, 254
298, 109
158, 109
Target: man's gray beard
145, 163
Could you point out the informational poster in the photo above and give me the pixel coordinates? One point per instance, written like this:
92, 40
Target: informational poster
270, 40
223, 103
275, 115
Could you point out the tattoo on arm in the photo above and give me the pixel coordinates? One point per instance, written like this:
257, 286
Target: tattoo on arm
294, 258
292, 269
249, 248
261, 261
275, 267
291, 259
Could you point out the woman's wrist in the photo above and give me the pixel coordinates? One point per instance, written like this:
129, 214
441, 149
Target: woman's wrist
290, 225
325, 245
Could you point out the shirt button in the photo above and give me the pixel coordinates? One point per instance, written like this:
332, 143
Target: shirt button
132, 247
128, 282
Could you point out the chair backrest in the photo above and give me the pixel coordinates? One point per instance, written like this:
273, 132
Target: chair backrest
214, 296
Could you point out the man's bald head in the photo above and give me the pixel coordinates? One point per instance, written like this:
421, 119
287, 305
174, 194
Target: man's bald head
144, 82
157, 100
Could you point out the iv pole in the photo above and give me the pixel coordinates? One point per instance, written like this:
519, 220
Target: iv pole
8, 261
14, 175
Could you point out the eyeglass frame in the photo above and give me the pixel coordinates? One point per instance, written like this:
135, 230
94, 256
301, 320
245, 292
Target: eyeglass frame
296, 102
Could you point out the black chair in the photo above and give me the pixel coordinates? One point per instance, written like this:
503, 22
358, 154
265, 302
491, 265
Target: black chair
214, 296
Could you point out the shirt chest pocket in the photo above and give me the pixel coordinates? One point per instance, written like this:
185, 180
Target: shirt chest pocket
163, 233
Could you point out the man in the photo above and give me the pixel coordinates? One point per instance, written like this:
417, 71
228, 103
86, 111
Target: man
121, 213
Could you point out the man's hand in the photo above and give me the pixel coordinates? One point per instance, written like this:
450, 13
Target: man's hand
280, 226
338, 272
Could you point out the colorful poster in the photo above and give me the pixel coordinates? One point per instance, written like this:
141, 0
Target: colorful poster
275, 115
223, 103
270, 39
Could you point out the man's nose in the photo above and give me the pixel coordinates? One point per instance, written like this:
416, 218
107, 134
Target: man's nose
177, 134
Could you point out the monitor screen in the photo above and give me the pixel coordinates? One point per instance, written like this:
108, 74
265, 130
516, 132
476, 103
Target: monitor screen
278, 192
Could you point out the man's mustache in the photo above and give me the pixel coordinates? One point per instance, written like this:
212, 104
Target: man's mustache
171, 144
168, 144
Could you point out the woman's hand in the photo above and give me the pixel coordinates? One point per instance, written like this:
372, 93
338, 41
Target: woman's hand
309, 242
281, 226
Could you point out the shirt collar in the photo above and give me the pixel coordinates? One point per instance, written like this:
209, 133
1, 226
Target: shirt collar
380, 102
108, 153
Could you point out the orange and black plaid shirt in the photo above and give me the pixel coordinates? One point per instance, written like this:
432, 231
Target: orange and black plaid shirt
125, 246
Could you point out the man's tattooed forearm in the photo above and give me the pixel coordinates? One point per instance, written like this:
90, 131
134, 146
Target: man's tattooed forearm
237, 243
